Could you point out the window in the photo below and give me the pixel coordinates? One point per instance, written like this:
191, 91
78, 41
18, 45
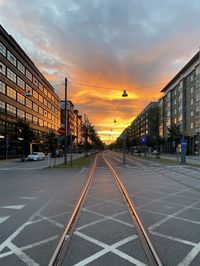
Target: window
191, 125
11, 75
21, 83
49, 115
191, 101
45, 91
2, 107
21, 67
49, 125
29, 89
11, 58
40, 110
35, 120
40, 98
191, 78
35, 81
35, 94
28, 117
29, 75
180, 118
45, 124
41, 123
191, 89
35, 107
174, 102
191, 113
175, 120
45, 113
11, 110
2, 87
197, 70
40, 86
20, 113
28, 103
180, 97
2, 69
45, 102
11, 93
20, 98
174, 92
49, 95
197, 97
49, 105
2, 49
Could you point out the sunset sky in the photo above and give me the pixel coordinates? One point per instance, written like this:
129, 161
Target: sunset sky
136, 45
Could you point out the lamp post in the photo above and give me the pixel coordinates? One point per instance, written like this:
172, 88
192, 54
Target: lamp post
66, 123
124, 94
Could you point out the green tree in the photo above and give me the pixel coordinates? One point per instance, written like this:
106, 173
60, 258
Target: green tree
174, 134
25, 134
51, 141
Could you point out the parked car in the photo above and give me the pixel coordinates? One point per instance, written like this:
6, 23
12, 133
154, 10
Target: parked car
155, 152
36, 156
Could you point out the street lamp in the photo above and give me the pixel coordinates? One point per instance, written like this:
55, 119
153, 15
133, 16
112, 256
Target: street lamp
66, 123
124, 94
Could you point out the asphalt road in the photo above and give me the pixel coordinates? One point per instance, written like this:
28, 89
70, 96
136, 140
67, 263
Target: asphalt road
35, 205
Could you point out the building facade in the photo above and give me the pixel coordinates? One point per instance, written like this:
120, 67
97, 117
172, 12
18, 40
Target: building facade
24, 94
180, 105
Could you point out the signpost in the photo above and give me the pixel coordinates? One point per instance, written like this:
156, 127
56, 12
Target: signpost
183, 150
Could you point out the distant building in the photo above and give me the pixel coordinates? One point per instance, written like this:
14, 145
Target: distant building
180, 105
26, 94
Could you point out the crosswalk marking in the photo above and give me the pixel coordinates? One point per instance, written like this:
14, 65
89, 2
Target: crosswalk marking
14, 207
3, 219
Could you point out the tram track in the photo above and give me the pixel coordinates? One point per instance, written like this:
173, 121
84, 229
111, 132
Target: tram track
63, 244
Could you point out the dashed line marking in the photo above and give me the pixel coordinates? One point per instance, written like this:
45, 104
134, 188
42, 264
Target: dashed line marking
3, 219
28, 198
14, 207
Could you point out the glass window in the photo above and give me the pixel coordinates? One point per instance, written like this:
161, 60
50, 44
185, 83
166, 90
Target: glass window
21, 83
20, 113
20, 67
28, 117
40, 86
192, 113
20, 98
29, 89
191, 77
49, 125
2, 87
28, 103
49, 115
35, 120
191, 101
49, 105
2, 107
11, 58
35, 94
45, 91
2, 69
41, 123
191, 125
2, 49
11, 110
35, 81
35, 107
191, 89
40, 110
11, 93
29, 75
49, 94
45, 123
11, 75
45, 102
45, 113
40, 98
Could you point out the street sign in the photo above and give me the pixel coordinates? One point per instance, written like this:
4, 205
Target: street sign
183, 143
143, 140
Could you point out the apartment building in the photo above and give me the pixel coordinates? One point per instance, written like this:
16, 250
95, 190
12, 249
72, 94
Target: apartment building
145, 124
180, 105
74, 122
24, 94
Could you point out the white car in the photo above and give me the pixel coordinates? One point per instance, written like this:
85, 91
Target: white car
36, 156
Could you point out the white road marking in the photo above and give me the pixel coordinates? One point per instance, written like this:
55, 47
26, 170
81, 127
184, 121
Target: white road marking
25, 258
107, 249
13, 207
190, 256
82, 170
51, 221
3, 219
28, 198
8, 253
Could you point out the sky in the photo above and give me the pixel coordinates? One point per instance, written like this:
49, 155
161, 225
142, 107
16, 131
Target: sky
104, 47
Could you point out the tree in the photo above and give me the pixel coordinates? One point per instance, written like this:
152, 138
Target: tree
25, 134
51, 141
174, 133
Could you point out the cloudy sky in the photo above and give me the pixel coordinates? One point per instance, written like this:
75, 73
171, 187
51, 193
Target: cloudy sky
137, 45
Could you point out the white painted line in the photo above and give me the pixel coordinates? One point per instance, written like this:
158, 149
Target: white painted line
3, 219
23, 257
107, 249
28, 198
82, 170
8, 253
13, 207
51, 221
190, 256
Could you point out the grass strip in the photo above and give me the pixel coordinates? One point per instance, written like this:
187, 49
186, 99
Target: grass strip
77, 163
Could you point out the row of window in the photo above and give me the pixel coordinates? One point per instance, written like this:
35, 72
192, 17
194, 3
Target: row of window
25, 72
12, 110
22, 84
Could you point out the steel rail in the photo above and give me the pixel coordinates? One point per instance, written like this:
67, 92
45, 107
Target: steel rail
60, 250
154, 258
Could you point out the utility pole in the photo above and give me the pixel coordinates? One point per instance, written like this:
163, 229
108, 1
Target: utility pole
66, 122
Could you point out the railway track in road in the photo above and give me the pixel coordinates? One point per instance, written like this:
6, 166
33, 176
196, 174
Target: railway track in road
63, 245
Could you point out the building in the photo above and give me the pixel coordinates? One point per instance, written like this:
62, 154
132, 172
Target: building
74, 123
24, 94
180, 105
